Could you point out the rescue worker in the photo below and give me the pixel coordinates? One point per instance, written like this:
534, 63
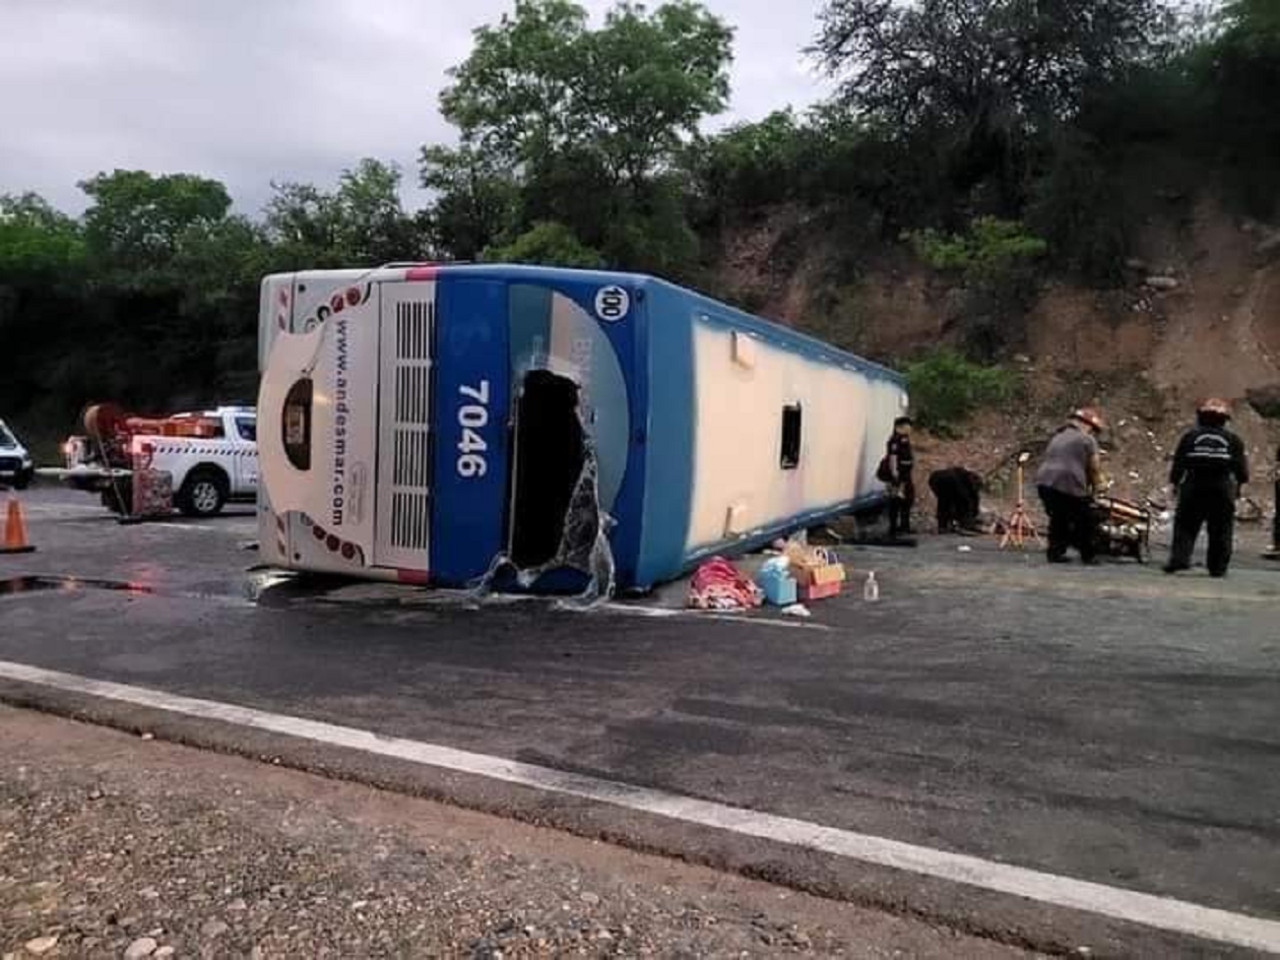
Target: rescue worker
958, 493
1069, 474
1209, 468
902, 489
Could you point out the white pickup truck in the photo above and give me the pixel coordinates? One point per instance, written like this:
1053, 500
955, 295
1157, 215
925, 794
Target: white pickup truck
208, 471
16, 469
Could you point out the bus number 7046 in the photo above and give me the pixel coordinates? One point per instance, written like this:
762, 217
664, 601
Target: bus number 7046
472, 418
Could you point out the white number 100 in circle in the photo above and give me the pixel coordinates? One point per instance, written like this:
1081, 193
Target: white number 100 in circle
472, 418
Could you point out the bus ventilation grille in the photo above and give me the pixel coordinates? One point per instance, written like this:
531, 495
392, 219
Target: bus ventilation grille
409, 515
411, 456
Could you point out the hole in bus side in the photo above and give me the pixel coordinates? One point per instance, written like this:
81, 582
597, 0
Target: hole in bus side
548, 460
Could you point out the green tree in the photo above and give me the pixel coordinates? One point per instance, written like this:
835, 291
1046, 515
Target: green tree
980, 77
650, 233
222, 266
540, 82
1241, 71
475, 199
651, 78
372, 224
135, 220
361, 223
585, 124
37, 241
300, 216
946, 389
516, 96
996, 260
750, 165
547, 243
42, 270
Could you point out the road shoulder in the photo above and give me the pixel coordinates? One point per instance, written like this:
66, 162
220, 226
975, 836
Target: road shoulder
109, 839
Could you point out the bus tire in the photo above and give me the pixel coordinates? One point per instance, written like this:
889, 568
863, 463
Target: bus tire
204, 492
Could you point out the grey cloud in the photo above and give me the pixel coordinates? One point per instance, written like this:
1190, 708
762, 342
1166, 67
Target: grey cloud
250, 91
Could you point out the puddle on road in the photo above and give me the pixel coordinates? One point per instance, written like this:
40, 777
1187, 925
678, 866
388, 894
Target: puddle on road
33, 584
248, 590
276, 589
262, 587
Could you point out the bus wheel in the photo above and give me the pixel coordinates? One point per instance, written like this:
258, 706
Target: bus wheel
204, 493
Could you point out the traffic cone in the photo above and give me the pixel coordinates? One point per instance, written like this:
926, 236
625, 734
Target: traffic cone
15, 530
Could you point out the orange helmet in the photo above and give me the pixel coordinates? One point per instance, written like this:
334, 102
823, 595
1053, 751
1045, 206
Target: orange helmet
1090, 415
1215, 405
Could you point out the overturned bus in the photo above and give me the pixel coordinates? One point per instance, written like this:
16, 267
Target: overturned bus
561, 429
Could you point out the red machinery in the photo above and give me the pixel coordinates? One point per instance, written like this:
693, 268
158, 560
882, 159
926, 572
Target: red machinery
110, 430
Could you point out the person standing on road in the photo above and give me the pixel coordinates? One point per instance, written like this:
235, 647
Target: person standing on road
1209, 468
902, 489
1068, 476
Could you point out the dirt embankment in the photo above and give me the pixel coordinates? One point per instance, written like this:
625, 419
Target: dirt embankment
1198, 314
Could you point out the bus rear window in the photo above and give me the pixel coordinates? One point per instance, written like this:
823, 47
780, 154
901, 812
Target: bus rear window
297, 425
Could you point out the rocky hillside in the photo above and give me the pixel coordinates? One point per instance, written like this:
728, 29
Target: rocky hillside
1197, 314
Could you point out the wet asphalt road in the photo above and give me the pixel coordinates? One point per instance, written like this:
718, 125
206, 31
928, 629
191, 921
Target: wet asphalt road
1106, 724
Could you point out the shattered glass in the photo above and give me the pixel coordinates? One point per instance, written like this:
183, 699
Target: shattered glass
584, 541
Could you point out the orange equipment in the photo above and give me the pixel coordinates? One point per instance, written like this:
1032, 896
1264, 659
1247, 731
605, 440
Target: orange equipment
15, 530
111, 430
1018, 528
106, 421
1217, 406
1090, 415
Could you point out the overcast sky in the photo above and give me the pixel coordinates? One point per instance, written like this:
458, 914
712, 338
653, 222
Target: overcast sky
250, 91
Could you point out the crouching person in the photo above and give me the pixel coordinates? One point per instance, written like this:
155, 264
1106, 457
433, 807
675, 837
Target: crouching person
958, 493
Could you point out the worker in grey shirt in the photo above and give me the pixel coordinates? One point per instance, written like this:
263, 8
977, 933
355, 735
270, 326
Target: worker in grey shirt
1068, 475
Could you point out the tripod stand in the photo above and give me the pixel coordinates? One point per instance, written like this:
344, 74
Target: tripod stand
1019, 526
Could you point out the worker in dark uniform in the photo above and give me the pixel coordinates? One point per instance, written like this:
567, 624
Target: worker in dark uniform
958, 493
1069, 474
902, 489
1209, 468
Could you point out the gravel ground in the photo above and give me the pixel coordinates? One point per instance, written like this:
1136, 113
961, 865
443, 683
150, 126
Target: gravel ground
113, 845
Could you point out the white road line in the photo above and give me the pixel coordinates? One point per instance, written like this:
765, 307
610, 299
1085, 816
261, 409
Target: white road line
1162, 913
635, 610
444, 597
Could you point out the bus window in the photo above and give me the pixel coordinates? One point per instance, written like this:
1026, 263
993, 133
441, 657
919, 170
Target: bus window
791, 436
297, 425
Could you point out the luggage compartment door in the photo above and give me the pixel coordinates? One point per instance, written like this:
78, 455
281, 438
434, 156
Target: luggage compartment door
407, 328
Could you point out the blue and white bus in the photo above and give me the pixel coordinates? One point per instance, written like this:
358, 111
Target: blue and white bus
418, 423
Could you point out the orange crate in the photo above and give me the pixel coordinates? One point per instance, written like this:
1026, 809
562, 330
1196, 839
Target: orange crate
820, 591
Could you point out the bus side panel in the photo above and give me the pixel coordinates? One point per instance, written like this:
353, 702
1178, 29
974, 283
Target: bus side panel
627, 506
600, 350
667, 339
472, 397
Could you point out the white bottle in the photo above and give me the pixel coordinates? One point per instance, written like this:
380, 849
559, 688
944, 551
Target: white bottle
871, 589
